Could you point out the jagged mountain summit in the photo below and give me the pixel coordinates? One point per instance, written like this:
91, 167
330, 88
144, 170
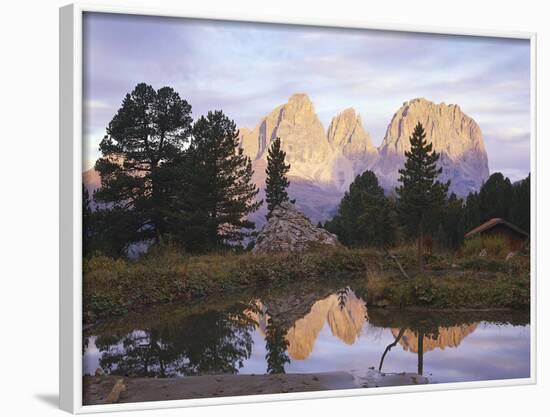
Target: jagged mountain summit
310, 154
453, 134
325, 162
347, 134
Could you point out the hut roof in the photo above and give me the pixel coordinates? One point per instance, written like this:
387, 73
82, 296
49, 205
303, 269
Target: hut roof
492, 223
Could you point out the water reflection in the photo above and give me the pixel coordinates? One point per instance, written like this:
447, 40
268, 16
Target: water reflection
309, 331
214, 342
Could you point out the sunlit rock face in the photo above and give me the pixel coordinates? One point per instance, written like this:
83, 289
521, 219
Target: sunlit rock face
446, 337
347, 134
453, 134
345, 316
302, 138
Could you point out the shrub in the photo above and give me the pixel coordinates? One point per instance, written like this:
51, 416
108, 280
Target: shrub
472, 247
496, 246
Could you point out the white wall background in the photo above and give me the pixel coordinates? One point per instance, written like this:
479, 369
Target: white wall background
29, 195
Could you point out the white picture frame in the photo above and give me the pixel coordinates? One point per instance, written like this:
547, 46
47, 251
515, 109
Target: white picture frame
70, 154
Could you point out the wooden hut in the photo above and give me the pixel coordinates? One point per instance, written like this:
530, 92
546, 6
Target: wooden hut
500, 227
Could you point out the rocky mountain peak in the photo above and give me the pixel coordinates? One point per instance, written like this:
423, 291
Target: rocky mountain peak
453, 134
324, 162
299, 110
302, 138
344, 126
347, 134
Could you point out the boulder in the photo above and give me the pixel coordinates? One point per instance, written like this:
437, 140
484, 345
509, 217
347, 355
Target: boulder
288, 230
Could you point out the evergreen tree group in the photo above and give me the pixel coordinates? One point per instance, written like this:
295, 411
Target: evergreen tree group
364, 215
165, 177
421, 209
499, 197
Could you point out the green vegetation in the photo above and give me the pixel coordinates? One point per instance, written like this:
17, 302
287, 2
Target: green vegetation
498, 197
164, 177
494, 246
276, 182
216, 191
421, 195
447, 283
365, 215
116, 286
461, 290
146, 135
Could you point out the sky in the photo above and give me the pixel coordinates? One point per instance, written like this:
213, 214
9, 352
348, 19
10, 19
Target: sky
247, 69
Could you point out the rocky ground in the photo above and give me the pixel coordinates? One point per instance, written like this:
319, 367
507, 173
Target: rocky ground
113, 389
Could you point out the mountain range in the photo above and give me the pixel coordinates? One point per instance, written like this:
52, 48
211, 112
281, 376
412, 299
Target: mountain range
323, 162
346, 322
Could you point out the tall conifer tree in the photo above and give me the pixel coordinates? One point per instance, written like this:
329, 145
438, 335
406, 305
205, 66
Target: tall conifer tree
86, 216
420, 194
219, 176
520, 210
472, 214
149, 131
276, 182
495, 196
364, 215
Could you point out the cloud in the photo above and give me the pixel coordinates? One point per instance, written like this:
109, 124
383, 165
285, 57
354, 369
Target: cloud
247, 69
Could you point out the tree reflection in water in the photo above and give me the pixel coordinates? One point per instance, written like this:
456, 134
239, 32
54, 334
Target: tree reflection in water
276, 346
213, 342
218, 339
422, 334
342, 294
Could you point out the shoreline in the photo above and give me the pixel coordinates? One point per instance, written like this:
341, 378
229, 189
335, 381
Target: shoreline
114, 288
109, 388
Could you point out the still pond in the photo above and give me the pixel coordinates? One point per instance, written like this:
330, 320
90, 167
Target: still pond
311, 331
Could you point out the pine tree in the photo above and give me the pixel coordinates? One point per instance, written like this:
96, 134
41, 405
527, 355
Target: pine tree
495, 197
520, 208
149, 131
276, 182
219, 179
275, 347
420, 194
86, 223
364, 214
472, 215
452, 223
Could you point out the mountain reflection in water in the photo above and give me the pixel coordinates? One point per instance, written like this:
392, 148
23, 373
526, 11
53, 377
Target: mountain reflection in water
308, 332
344, 316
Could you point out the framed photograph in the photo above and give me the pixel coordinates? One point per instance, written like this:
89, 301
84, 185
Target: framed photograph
263, 210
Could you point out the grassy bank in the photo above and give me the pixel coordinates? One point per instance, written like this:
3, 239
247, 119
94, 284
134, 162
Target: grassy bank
115, 287
449, 282
454, 290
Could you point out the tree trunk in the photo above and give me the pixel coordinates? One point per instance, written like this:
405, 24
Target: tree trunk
389, 347
421, 247
155, 197
420, 353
